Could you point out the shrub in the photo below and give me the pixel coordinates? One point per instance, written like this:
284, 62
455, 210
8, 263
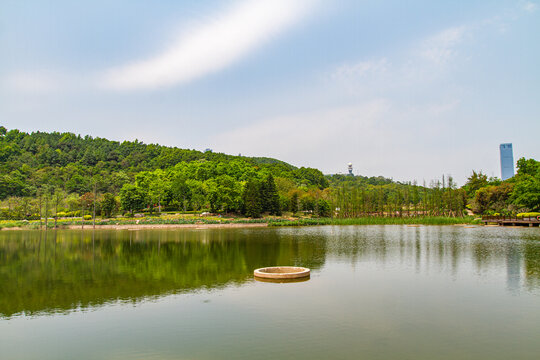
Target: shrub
529, 214
87, 217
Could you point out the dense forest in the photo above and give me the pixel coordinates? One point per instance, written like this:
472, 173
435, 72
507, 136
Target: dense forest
63, 174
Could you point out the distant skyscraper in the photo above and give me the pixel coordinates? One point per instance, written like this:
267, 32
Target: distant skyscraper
350, 168
507, 161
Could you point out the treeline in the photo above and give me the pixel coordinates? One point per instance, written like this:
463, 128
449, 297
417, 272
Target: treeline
46, 175
441, 198
234, 187
360, 196
32, 161
519, 194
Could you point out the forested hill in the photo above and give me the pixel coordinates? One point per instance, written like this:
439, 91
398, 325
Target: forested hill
76, 173
30, 161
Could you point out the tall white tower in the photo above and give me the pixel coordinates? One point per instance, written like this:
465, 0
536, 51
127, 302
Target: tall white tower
349, 166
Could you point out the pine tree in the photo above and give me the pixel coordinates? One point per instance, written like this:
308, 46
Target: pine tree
252, 200
271, 198
264, 195
294, 202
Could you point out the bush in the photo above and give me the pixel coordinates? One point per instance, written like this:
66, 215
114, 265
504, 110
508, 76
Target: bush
68, 213
87, 217
323, 208
529, 214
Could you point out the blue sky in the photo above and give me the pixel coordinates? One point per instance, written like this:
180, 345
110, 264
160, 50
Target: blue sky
408, 90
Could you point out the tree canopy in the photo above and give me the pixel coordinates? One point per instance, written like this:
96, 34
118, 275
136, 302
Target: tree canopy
131, 176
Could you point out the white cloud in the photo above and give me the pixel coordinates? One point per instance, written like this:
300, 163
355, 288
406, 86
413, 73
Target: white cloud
441, 47
211, 46
400, 110
530, 6
33, 82
378, 136
302, 135
422, 63
41, 82
361, 69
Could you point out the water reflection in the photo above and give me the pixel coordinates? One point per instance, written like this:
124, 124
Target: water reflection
513, 268
282, 281
62, 270
58, 271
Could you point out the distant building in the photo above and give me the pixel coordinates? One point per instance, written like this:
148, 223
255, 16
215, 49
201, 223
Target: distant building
349, 166
208, 150
507, 161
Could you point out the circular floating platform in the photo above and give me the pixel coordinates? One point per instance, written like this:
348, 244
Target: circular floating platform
282, 272
282, 281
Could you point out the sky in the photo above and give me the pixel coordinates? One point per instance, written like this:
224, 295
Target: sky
407, 90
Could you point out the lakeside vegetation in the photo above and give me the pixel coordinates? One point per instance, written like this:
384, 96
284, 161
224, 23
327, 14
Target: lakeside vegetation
65, 179
270, 221
412, 220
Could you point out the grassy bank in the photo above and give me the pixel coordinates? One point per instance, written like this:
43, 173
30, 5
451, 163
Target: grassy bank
35, 224
377, 221
271, 221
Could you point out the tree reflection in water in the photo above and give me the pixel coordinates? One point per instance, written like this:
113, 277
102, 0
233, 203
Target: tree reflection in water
58, 271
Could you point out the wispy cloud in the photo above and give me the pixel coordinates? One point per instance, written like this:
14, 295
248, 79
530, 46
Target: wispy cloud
441, 47
399, 98
34, 82
423, 63
361, 69
211, 46
303, 134
377, 136
529, 6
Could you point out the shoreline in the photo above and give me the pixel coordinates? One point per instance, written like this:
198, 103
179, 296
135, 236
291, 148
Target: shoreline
147, 226
226, 226
124, 224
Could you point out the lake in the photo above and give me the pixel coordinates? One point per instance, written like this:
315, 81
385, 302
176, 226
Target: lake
375, 292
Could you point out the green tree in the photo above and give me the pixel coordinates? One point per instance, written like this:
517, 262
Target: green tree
131, 198
212, 194
293, 207
270, 196
476, 181
251, 198
198, 197
492, 198
323, 208
526, 193
180, 191
158, 187
528, 167
229, 193
108, 205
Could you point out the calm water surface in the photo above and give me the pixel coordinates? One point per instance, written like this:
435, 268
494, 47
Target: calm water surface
375, 292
